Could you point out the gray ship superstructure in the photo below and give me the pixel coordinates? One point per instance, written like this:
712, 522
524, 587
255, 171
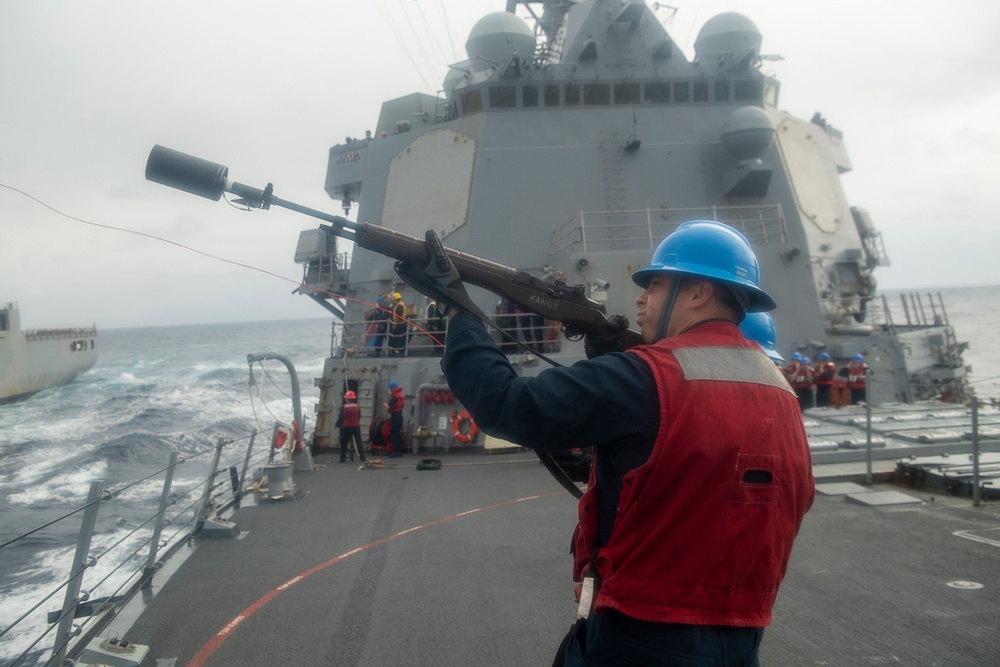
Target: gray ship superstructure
36, 359
569, 148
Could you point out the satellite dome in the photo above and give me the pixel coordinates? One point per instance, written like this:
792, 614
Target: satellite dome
727, 33
496, 38
747, 132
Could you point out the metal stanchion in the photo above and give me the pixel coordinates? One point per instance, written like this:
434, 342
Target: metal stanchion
868, 427
975, 452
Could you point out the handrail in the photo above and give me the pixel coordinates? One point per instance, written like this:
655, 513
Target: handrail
357, 340
642, 229
76, 624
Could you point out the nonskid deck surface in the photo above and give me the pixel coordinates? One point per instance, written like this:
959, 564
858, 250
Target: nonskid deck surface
471, 562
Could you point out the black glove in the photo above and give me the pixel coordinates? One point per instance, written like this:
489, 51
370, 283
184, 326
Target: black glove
439, 280
596, 344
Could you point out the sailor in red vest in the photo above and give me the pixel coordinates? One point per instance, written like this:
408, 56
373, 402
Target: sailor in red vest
395, 407
790, 368
825, 373
349, 423
701, 470
802, 382
857, 371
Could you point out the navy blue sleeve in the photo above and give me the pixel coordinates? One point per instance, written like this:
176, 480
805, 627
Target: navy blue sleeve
610, 398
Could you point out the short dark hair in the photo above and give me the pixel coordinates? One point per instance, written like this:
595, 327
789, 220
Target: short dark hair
730, 300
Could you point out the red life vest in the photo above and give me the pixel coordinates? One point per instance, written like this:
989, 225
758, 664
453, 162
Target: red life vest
705, 527
396, 400
803, 377
856, 374
350, 415
825, 372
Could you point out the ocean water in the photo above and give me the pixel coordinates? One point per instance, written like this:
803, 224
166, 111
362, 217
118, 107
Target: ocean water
152, 391
163, 389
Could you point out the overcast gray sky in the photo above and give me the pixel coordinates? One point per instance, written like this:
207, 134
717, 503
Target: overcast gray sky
87, 88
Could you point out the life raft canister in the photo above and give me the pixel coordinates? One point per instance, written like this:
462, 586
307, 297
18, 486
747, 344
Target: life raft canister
464, 429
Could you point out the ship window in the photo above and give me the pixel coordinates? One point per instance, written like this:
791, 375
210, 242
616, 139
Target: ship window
529, 96
721, 91
682, 92
472, 101
626, 93
700, 91
748, 91
551, 96
657, 93
3, 322
503, 97
597, 93
572, 95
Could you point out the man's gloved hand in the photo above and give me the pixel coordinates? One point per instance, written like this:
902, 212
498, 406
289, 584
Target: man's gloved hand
440, 279
597, 344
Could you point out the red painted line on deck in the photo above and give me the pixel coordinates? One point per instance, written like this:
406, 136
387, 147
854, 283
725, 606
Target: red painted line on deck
215, 642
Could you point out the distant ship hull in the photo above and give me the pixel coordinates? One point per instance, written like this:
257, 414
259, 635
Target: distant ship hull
33, 360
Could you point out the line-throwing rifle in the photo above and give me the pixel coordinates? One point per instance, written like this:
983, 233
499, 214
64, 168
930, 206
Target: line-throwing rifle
567, 304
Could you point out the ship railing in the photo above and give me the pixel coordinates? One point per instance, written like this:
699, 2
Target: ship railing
42, 334
642, 229
327, 270
187, 509
424, 337
913, 310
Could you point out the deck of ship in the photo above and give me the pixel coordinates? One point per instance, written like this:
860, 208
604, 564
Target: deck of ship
469, 564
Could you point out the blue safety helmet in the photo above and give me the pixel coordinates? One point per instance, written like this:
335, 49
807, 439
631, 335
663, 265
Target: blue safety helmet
823, 356
858, 358
712, 250
806, 360
795, 356
759, 328
393, 384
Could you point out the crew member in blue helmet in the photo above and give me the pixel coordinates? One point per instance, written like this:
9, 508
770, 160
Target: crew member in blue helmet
759, 327
395, 407
825, 372
701, 470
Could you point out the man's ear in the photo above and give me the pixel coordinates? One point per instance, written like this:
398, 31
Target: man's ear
701, 292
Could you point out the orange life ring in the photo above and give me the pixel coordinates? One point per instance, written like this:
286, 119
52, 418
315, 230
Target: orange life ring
457, 424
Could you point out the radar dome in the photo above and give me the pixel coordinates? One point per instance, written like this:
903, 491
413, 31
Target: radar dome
727, 33
496, 38
747, 132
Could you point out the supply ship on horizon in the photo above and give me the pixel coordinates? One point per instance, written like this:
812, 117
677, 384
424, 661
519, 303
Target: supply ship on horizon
36, 359
567, 145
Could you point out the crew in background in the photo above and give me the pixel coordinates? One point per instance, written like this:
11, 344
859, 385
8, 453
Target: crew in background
701, 471
395, 407
790, 368
824, 373
759, 327
349, 423
856, 380
802, 383
397, 326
